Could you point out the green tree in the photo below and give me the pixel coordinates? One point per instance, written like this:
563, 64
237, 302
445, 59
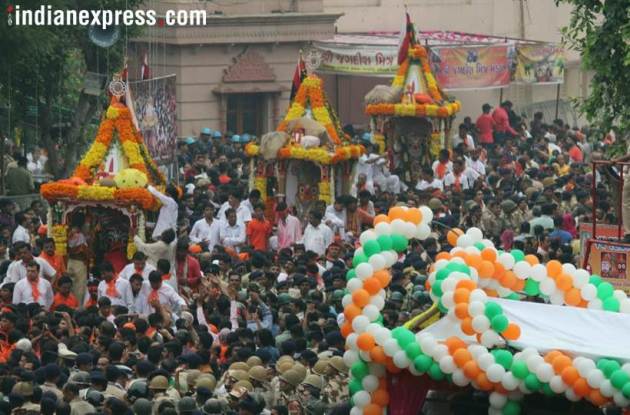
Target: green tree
600, 31
42, 73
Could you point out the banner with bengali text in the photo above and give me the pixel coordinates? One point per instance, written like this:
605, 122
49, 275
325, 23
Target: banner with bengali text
539, 64
357, 60
471, 67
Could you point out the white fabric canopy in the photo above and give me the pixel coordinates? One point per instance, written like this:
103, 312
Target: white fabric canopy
578, 331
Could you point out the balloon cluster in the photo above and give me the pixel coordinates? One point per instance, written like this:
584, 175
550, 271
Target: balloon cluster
462, 282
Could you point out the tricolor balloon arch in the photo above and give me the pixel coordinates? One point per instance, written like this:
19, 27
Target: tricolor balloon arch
463, 282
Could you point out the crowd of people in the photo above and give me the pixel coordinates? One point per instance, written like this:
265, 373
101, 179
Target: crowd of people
233, 305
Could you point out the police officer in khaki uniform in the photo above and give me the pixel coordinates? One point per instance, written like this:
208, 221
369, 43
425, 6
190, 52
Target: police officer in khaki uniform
158, 387
289, 381
309, 395
258, 376
336, 388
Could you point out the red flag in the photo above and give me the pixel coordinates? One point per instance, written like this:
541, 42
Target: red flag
145, 71
298, 76
408, 38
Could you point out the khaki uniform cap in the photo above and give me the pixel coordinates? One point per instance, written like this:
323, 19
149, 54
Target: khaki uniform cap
254, 361
314, 381
239, 366
298, 367
291, 377
206, 381
285, 357
258, 373
337, 363
159, 383
282, 367
238, 374
321, 367
243, 384
192, 375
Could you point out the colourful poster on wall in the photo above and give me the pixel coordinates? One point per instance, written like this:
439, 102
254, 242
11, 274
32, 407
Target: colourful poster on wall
474, 67
539, 64
154, 104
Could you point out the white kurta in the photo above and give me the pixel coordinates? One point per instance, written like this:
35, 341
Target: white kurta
124, 297
167, 218
317, 239
23, 293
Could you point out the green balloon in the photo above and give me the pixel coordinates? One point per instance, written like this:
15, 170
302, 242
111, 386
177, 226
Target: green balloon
442, 307
611, 304
504, 358
513, 296
518, 255
519, 369
422, 363
547, 389
371, 247
435, 372
413, 350
399, 243
532, 288
442, 274
532, 382
604, 290
459, 267
355, 386
595, 279
360, 369
611, 367
601, 363
379, 320
405, 337
492, 309
619, 379
626, 390
499, 323
385, 242
480, 246
437, 288
359, 259
351, 274
511, 408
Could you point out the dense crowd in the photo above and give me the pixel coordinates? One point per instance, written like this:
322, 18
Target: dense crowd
233, 305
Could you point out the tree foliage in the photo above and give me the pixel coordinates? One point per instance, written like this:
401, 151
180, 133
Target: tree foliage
42, 75
600, 31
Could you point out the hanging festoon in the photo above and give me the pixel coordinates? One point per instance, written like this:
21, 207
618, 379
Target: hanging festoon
475, 287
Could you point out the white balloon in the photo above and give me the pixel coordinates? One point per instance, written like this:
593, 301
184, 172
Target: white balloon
487, 243
544, 372
569, 268
383, 228
365, 356
474, 275
353, 285
586, 367
377, 370
423, 231
401, 360
447, 299
447, 365
464, 240
391, 258
480, 323
485, 361
507, 260
478, 295
440, 351
347, 299
580, 278
359, 251
595, 378
427, 214
557, 384
557, 297
571, 395
477, 350
606, 388
538, 272
472, 250
398, 226
351, 341
409, 231
522, 269
547, 286
377, 261
370, 383
509, 381
356, 411
371, 312
533, 362
458, 260
364, 271
377, 301
459, 378
476, 308
361, 398
440, 263
596, 304
588, 292
619, 295
350, 357
497, 400
495, 372
620, 400
449, 283
367, 236
503, 292
360, 323
428, 346
490, 339
381, 336
475, 234
391, 347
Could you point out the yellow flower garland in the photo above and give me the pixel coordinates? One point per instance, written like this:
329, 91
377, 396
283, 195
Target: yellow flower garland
60, 236
324, 192
260, 183
96, 192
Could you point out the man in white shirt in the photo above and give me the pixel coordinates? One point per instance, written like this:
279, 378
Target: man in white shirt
243, 213
477, 166
23, 255
442, 166
460, 178
428, 182
137, 266
116, 289
252, 200
317, 236
232, 233
167, 218
384, 179
159, 295
138, 293
33, 289
462, 136
205, 231
335, 216
21, 233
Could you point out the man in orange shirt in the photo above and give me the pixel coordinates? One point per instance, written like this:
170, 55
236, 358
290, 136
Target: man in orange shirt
64, 296
48, 254
259, 229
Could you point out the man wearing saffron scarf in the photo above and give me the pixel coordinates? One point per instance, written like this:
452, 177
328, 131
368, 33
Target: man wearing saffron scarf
159, 295
138, 266
64, 296
48, 254
113, 287
442, 166
168, 277
33, 289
